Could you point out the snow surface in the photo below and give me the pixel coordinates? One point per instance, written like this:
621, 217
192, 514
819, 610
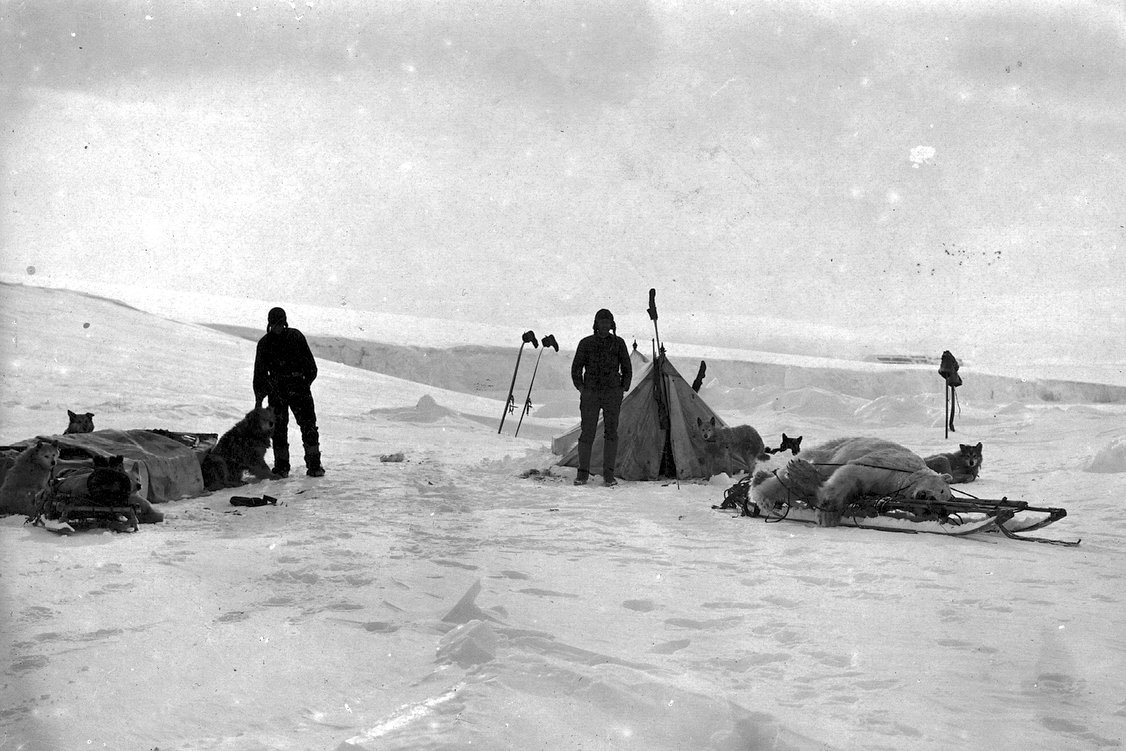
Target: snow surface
450, 601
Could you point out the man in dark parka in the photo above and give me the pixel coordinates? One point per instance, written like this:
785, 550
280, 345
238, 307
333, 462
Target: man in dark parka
284, 369
602, 372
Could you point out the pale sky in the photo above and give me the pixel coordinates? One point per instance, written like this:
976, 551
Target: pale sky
918, 172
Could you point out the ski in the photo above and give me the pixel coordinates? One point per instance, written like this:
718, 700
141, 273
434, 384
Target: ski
509, 405
547, 341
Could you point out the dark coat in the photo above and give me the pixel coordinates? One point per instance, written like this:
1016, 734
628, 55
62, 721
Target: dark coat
602, 364
283, 364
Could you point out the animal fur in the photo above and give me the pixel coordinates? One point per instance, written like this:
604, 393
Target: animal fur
83, 423
241, 449
28, 477
831, 475
963, 465
722, 445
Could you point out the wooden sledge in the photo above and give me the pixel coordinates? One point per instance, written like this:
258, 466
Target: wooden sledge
890, 520
957, 517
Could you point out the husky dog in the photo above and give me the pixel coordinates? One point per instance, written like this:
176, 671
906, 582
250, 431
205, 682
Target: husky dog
28, 477
793, 445
722, 445
242, 448
834, 473
963, 465
83, 423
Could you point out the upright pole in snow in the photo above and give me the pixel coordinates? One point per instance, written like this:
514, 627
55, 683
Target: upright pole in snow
547, 341
509, 405
945, 422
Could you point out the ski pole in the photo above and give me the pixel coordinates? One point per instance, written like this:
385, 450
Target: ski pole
547, 341
509, 405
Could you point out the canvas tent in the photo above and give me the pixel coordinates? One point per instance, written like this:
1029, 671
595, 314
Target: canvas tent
638, 360
657, 430
165, 465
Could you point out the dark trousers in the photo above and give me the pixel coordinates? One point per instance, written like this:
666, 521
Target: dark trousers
304, 412
590, 404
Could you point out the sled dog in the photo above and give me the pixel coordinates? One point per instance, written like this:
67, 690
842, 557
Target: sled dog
242, 448
83, 423
793, 445
963, 465
28, 477
723, 445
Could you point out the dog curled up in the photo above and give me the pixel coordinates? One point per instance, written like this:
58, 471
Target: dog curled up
832, 475
241, 449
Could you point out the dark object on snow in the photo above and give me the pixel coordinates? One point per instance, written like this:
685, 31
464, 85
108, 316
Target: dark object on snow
242, 500
529, 337
948, 369
696, 384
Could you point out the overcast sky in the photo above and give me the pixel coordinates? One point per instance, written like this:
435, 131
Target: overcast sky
915, 171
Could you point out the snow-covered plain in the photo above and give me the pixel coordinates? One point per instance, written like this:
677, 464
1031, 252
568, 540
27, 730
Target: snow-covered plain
449, 601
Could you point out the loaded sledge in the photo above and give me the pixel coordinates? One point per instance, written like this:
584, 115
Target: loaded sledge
958, 517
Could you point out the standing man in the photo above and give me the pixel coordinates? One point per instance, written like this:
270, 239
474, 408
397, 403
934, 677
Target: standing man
284, 369
601, 371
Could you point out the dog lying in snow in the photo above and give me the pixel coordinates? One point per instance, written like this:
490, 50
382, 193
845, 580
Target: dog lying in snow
963, 465
831, 475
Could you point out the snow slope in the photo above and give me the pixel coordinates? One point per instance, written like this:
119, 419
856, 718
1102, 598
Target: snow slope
448, 601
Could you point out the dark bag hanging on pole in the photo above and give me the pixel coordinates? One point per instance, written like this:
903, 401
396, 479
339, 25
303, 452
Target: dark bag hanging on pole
948, 369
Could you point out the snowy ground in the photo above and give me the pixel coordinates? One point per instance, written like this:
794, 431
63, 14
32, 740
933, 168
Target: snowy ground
448, 602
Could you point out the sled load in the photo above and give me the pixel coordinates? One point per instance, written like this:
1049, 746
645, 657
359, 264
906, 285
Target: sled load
958, 517
111, 478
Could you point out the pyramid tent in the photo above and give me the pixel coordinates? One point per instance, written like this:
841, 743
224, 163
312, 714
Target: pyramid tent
657, 430
638, 360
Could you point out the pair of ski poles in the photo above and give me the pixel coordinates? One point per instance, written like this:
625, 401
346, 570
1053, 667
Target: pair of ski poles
529, 337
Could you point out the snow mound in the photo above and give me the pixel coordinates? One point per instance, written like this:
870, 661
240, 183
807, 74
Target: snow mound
816, 402
1110, 459
425, 411
901, 410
